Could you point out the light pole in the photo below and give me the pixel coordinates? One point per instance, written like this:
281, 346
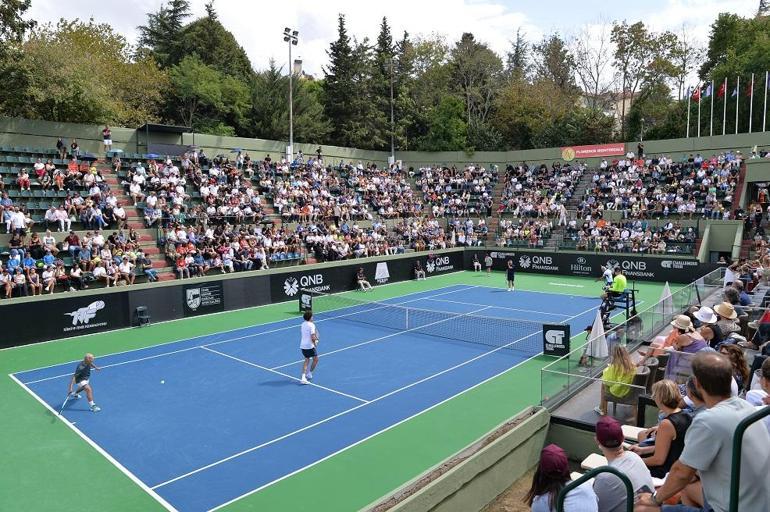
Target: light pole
290, 36
392, 125
641, 134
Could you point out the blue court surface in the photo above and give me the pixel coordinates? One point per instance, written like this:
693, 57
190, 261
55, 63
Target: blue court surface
232, 417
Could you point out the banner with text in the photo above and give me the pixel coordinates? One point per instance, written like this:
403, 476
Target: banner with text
589, 265
593, 151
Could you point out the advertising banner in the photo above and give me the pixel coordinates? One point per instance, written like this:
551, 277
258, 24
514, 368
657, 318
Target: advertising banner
339, 278
62, 318
635, 267
556, 339
593, 151
204, 298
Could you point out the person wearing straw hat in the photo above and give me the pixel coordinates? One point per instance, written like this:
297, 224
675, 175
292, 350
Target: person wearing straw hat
727, 315
550, 477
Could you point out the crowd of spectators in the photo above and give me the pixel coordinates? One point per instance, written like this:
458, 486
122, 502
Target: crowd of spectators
452, 192
635, 236
195, 250
539, 191
39, 264
529, 232
659, 186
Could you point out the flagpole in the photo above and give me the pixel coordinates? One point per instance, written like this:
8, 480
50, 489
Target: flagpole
689, 94
737, 97
751, 101
764, 110
699, 98
724, 109
711, 123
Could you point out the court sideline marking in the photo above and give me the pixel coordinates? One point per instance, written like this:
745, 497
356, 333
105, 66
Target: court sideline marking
99, 449
347, 411
228, 340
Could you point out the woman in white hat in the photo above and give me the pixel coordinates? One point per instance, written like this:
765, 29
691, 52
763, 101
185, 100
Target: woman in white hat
727, 315
681, 325
710, 330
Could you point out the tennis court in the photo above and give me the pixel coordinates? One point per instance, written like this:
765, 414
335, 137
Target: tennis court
231, 417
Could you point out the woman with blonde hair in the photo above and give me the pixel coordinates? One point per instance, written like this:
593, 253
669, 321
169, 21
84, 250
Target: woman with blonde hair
616, 377
665, 441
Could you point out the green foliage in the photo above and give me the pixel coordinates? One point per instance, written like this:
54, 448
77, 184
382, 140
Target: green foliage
12, 24
216, 46
475, 75
517, 64
83, 72
270, 111
556, 64
162, 37
447, 130
204, 97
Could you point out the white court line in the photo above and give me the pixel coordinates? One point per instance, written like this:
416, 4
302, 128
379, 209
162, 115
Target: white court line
500, 288
98, 448
324, 354
228, 340
282, 374
347, 411
498, 307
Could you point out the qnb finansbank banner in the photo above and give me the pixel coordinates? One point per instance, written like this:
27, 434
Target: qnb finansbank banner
593, 151
589, 265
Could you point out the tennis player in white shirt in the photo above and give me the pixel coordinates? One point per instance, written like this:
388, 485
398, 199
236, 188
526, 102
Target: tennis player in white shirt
308, 347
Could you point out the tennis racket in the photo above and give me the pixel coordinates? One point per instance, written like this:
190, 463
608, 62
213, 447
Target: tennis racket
64, 404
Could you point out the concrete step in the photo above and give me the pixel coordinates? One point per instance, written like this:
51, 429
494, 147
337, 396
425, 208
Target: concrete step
166, 276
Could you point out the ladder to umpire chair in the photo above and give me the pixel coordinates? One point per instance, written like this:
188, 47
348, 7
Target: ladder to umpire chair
627, 300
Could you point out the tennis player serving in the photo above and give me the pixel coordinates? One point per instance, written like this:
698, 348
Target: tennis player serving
80, 377
308, 347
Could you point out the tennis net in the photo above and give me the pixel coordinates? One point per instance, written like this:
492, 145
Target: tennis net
472, 327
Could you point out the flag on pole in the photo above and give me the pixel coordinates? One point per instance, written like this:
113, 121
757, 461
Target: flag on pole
750, 87
597, 342
707, 92
696, 94
735, 92
721, 91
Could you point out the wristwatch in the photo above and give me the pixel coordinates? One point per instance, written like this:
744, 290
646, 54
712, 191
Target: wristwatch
655, 499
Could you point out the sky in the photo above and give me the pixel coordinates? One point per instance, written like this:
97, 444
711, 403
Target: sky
258, 25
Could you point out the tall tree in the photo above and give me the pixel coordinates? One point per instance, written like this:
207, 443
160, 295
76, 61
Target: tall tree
215, 46
338, 83
162, 36
593, 60
404, 104
476, 71
447, 130
270, 114
635, 50
517, 58
383, 73
554, 63
685, 54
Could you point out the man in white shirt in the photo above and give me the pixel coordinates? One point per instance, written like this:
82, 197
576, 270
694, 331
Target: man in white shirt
308, 347
126, 269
